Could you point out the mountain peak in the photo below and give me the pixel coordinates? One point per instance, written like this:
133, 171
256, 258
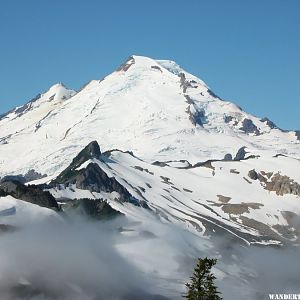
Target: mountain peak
92, 150
141, 64
58, 86
58, 91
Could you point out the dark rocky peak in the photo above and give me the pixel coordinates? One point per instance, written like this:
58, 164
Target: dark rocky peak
92, 150
297, 132
93, 177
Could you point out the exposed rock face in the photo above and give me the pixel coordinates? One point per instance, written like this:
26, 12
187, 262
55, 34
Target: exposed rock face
196, 117
156, 68
33, 175
234, 171
223, 199
93, 178
241, 154
125, 66
228, 119
94, 208
184, 84
8, 186
253, 174
96, 180
281, 184
262, 228
92, 150
109, 152
227, 157
298, 134
31, 193
239, 209
199, 118
249, 127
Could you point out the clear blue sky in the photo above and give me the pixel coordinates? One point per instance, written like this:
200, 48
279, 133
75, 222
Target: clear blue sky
246, 51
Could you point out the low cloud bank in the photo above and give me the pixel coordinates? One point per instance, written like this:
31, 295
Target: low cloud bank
67, 260
77, 259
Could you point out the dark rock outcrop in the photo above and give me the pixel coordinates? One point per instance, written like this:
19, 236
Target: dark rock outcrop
253, 174
184, 84
127, 64
156, 68
281, 184
94, 179
227, 157
160, 163
297, 132
241, 154
249, 127
33, 175
92, 150
32, 194
108, 153
228, 119
199, 118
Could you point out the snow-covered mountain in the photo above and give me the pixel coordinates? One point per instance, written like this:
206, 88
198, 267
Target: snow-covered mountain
153, 108
157, 144
189, 161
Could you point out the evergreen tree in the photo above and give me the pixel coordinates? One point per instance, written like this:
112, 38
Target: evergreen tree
201, 285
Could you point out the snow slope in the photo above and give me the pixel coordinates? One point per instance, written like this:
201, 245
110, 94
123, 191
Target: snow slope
217, 198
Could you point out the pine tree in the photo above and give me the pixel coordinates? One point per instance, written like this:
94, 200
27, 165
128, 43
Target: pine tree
201, 285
